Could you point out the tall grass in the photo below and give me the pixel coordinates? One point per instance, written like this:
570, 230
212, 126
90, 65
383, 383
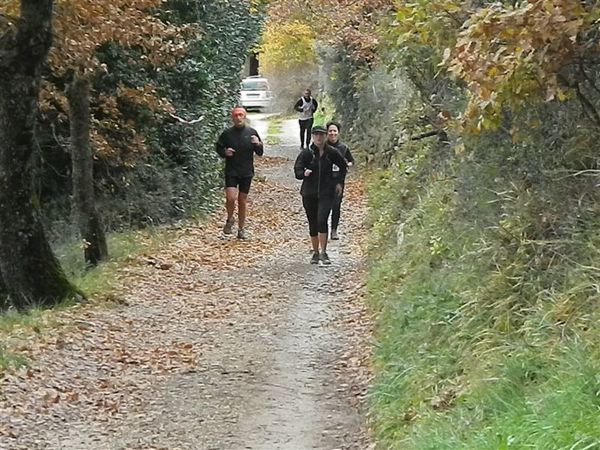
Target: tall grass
487, 333
122, 247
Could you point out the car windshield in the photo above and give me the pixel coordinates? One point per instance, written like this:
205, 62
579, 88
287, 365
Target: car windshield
254, 85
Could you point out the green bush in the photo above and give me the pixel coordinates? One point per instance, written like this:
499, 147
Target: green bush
485, 282
486, 333
483, 265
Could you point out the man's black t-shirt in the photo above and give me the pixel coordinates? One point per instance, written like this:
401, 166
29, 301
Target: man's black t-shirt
241, 164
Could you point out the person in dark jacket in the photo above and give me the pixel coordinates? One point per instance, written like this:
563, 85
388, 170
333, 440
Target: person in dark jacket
314, 166
306, 107
333, 139
237, 145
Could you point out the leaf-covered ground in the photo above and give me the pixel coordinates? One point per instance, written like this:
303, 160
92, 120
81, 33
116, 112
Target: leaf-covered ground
215, 343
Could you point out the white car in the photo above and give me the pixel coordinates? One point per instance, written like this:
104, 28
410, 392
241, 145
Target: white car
256, 93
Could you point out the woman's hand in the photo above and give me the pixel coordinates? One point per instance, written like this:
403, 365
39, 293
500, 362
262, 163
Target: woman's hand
339, 189
307, 172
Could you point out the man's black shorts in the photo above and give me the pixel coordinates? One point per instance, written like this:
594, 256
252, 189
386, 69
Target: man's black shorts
242, 183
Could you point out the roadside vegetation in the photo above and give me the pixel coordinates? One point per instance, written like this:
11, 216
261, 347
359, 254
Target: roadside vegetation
478, 140
100, 283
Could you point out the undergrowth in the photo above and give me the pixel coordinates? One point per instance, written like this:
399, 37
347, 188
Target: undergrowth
486, 290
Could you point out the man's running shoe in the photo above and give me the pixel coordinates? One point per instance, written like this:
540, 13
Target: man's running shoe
242, 234
315, 258
325, 259
228, 228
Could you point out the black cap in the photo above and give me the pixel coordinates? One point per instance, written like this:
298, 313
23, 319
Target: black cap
318, 129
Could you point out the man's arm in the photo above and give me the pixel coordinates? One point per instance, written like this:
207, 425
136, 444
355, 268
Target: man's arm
298, 105
220, 145
315, 105
257, 142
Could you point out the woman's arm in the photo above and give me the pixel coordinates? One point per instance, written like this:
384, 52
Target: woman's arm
349, 156
301, 164
337, 159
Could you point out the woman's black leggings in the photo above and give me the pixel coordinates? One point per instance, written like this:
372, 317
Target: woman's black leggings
317, 212
336, 209
305, 129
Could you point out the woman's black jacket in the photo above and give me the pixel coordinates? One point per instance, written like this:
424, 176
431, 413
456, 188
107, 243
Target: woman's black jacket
321, 182
345, 152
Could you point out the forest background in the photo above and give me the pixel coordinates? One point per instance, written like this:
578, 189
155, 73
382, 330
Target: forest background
476, 123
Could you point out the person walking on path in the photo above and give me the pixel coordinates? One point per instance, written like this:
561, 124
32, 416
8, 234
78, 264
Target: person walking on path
314, 166
306, 107
237, 145
333, 139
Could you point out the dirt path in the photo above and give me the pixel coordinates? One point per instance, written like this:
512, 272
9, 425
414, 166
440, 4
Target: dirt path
220, 344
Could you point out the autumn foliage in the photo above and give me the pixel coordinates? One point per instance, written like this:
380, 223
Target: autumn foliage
299, 35
510, 56
287, 46
345, 23
84, 26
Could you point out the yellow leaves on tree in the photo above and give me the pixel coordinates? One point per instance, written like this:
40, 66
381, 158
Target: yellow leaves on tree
352, 24
510, 56
424, 22
348, 23
287, 46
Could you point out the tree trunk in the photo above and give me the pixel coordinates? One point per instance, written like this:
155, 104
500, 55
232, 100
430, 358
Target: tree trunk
30, 271
90, 223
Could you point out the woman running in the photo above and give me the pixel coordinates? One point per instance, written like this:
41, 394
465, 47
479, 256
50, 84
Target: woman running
314, 166
333, 139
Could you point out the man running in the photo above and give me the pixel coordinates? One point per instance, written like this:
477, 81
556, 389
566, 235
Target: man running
306, 107
237, 145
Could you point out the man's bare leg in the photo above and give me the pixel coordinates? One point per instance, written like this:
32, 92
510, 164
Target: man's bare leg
230, 196
242, 209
